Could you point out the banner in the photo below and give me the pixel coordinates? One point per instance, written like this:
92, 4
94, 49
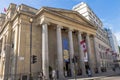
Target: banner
85, 57
66, 56
65, 50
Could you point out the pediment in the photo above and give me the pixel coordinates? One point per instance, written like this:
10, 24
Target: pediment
69, 14
73, 17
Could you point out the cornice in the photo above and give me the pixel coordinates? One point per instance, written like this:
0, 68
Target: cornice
65, 17
57, 10
3, 27
17, 13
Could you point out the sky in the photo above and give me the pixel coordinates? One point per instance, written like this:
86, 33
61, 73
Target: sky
107, 10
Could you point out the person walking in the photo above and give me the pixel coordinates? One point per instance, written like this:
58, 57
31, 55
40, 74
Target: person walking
40, 76
89, 73
54, 77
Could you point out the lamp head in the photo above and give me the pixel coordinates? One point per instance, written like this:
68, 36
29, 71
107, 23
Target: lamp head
31, 20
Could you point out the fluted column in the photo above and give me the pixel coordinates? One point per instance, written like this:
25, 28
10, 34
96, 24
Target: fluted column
71, 50
81, 53
45, 58
96, 55
7, 54
16, 49
2, 53
89, 53
59, 53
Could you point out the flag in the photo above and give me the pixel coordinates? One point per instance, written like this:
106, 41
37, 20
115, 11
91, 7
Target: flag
113, 53
107, 49
83, 45
106, 52
5, 10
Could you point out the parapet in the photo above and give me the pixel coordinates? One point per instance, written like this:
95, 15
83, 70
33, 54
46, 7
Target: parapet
2, 15
11, 10
2, 18
27, 9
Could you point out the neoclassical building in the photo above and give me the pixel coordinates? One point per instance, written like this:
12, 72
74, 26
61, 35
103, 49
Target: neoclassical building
57, 36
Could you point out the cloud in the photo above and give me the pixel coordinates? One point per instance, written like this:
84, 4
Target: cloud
117, 34
107, 24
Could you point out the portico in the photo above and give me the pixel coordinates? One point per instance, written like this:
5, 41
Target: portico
64, 28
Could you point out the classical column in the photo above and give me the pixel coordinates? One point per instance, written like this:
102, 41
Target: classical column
7, 55
71, 50
96, 55
16, 38
60, 53
45, 58
89, 53
2, 53
3, 43
81, 53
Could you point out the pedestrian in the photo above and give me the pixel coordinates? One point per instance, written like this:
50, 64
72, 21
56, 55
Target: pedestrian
89, 73
40, 76
54, 75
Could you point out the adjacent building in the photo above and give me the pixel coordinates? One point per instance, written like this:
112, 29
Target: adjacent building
87, 12
113, 41
114, 46
104, 50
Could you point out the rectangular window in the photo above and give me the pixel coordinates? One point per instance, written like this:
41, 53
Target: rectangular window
13, 37
5, 43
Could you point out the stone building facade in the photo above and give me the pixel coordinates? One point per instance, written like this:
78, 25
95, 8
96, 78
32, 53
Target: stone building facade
56, 41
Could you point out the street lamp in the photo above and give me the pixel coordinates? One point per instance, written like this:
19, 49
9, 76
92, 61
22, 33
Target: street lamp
31, 21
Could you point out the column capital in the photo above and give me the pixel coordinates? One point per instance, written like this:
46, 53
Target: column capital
70, 29
94, 36
80, 32
87, 34
43, 21
59, 26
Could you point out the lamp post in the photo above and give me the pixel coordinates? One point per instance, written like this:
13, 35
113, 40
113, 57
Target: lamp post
31, 21
75, 61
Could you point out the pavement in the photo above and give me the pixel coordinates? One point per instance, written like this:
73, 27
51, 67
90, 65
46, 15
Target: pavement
102, 76
116, 77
